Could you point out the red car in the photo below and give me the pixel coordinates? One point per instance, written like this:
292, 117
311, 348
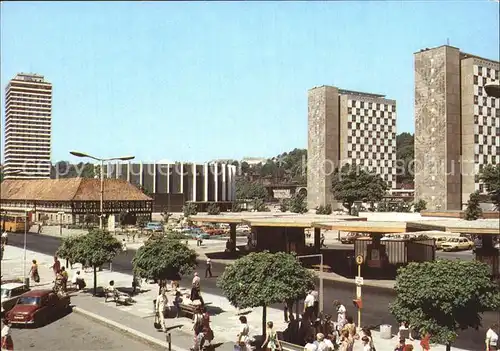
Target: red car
37, 307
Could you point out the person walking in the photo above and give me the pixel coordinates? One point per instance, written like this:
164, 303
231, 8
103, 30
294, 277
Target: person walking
6, 338
197, 328
492, 338
322, 241
161, 307
34, 272
309, 307
288, 310
243, 337
341, 315
425, 343
272, 341
5, 238
208, 270
56, 267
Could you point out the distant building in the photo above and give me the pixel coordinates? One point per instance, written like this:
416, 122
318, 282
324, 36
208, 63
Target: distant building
348, 127
28, 120
457, 126
253, 161
173, 184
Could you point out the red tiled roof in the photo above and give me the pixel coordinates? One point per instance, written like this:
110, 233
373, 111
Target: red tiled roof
70, 189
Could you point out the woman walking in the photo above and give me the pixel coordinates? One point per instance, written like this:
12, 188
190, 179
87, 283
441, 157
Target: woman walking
34, 272
6, 341
243, 337
272, 342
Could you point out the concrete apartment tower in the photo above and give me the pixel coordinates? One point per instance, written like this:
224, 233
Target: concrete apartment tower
28, 121
457, 127
348, 127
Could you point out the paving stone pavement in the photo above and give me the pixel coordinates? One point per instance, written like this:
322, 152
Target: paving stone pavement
224, 317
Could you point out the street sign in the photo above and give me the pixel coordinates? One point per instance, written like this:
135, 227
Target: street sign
359, 260
359, 281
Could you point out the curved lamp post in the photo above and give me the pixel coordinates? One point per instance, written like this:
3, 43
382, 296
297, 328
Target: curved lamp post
493, 89
102, 160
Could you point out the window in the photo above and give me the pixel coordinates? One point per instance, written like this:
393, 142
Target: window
361, 147
475, 79
481, 188
393, 108
489, 130
349, 110
349, 139
476, 138
479, 70
480, 149
489, 149
382, 114
370, 105
349, 153
496, 75
488, 73
488, 111
476, 99
476, 158
480, 129
480, 110
370, 119
497, 112
362, 104
349, 125
485, 120
378, 106
480, 91
485, 81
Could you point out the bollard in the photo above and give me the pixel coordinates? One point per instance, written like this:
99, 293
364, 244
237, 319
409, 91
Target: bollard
169, 341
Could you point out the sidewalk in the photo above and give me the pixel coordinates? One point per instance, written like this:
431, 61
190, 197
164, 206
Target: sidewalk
138, 318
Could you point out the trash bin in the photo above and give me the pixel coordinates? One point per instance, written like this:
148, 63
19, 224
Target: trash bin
27, 282
386, 331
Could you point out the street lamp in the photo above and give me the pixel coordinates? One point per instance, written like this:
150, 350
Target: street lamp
102, 160
493, 89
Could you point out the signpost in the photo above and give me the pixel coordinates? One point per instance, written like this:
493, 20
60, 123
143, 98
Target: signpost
359, 283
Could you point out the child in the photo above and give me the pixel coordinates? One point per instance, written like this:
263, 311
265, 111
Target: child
177, 303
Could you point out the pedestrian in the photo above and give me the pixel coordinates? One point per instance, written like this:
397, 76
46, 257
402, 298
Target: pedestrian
320, 342
322, 241
34, 272
492, 338
368, 334
330, 342
346, 342
5, 238
309, 307
350, 326
208, 333
366, 343
56, 267
177, 303
315, 294
310, 345
400, 345
243, 337
272, 341
341, 314
65, 278
197, 327
161, 307
124, 246
425, 343
6, 338
208, 270
288, 310
2, 250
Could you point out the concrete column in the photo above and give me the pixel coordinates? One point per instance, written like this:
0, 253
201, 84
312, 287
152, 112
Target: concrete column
128, 171
194, 182
317, 239
182, 178
229, 184
233, 184
117, 165
205, 181
232, 236
141, 173
224, 185
154, 177
168, 178
216, 182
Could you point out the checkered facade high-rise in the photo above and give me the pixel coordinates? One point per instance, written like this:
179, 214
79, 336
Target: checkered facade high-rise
457, 126
348, 127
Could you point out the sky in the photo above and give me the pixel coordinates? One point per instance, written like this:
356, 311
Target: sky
197, 81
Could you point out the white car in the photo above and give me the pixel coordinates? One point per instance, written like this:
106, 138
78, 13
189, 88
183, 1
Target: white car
10, 292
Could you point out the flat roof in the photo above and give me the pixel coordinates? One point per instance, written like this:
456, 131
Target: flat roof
363, 226
296, 220
479, 226
232, 217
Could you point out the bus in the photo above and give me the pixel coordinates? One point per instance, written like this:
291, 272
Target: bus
14, 223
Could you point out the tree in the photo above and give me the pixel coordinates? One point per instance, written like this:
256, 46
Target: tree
473, 210
68, 247
246, 190
164, 258
89, 219
236, 207
324, 210
258, 205
405, 154
213, 209
95, 248
442, 297
352, 183
190, 209
298, 203
419, 205
262, 279
490, 176
284, 205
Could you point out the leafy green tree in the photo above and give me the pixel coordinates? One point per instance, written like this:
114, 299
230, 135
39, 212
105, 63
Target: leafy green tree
95, 249
419, 205
165, 258
351, 183
473, 210
190, 209
89, 219
68, 247
490, 176
236, 207
262, 279
247, 190
258, 205
245, 167
298, 203
213, 209
324, 210
444, 296
405, 154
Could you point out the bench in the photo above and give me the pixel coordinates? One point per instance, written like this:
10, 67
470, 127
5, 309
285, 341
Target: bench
190, 310
118, 297
287, 346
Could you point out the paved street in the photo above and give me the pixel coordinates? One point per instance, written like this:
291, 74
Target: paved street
75, 332
376, 299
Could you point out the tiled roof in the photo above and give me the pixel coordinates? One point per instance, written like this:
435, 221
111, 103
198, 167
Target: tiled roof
70, 189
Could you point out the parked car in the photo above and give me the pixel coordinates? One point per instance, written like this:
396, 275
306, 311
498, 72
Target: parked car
154, 227
349, 238
36, 307
10, 292
242, 229
440, 241
455, 244
387, 237
203, 236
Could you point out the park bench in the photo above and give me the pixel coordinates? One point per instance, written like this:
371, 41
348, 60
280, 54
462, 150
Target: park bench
118, 297
287, 346
190, 310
